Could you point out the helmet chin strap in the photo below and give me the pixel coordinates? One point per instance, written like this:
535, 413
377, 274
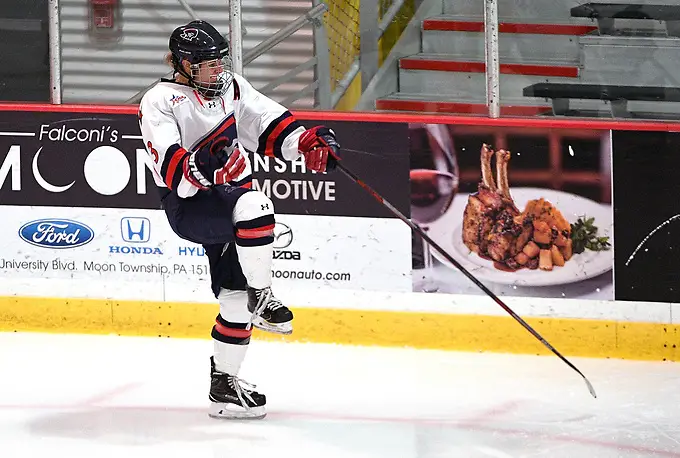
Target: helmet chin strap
207, 92
179, 68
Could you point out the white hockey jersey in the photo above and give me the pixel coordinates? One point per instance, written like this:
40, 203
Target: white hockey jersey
176, 120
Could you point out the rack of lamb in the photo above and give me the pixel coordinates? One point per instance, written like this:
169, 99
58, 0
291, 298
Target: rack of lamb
495, 229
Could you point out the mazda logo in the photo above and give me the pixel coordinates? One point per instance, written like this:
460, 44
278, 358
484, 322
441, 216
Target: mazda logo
283, 236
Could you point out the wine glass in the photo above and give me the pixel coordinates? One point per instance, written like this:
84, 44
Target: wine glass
434, 178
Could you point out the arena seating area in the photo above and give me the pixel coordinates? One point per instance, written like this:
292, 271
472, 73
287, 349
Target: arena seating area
562, 58
613, 56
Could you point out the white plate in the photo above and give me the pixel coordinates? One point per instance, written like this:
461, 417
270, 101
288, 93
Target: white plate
447, 232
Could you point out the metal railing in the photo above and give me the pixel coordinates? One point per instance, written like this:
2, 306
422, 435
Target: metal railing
55, 51
322, 82
236, 35
372, 28
493, 96
188, 9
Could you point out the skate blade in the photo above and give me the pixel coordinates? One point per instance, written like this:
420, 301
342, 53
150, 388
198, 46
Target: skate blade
224, 411
282, 328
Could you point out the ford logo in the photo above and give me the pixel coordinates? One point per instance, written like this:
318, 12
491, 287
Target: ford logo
56, 233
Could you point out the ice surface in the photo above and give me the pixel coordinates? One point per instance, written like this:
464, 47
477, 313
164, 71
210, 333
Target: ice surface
107, 396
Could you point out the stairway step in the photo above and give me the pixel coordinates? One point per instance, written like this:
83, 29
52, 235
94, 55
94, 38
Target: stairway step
439, 62
460, 24
464, 37
521, 10
464, 85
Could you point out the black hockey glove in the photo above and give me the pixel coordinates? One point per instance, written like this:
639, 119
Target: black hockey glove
212, 166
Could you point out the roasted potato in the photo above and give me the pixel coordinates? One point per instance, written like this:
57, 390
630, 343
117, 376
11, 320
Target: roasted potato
544, 238
557, 258
567, 250
545, 260
531, 249
542, 232
560, 240
521, 258
542, 210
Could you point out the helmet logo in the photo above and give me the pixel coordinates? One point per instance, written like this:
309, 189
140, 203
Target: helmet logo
189, 34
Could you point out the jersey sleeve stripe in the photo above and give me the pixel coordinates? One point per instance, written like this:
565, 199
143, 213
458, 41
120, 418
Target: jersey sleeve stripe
167, 157
278, 143
172, 173
276, 133
273, 136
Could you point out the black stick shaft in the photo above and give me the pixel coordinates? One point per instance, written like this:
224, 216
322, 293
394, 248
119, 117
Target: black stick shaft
418, 230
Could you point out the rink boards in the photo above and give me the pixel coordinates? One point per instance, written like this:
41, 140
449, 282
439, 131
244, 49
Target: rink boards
85, 248
620, 336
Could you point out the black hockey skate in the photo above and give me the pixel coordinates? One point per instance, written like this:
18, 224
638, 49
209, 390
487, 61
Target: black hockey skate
232, 398
269, 313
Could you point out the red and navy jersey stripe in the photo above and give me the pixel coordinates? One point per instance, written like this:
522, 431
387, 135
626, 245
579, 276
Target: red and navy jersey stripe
225, 129
172, 168
272, 138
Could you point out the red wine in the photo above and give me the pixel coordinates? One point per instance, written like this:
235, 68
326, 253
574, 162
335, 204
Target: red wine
432, 192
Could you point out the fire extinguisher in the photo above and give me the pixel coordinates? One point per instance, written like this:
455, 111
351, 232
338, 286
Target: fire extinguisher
105, 20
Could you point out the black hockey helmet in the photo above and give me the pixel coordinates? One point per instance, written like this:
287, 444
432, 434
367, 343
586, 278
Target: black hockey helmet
197, 42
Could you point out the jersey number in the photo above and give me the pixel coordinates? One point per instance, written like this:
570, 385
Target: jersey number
153, 152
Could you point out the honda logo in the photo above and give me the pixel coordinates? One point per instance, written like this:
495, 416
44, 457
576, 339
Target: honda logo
135, 230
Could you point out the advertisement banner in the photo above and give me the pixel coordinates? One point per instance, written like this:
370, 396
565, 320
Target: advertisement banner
527, 211
647, 215
79, 204
124, 246
86, 160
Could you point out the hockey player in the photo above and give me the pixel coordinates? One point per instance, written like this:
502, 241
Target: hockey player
198, 127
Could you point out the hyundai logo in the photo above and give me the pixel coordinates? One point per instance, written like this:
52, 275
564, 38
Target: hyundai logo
56, 233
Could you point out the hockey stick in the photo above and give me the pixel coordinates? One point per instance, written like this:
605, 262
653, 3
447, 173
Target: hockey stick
465, 272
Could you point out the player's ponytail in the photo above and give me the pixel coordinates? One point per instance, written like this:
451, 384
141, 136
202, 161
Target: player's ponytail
168, 60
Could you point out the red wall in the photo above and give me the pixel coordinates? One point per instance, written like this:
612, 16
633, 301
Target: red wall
546, 123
